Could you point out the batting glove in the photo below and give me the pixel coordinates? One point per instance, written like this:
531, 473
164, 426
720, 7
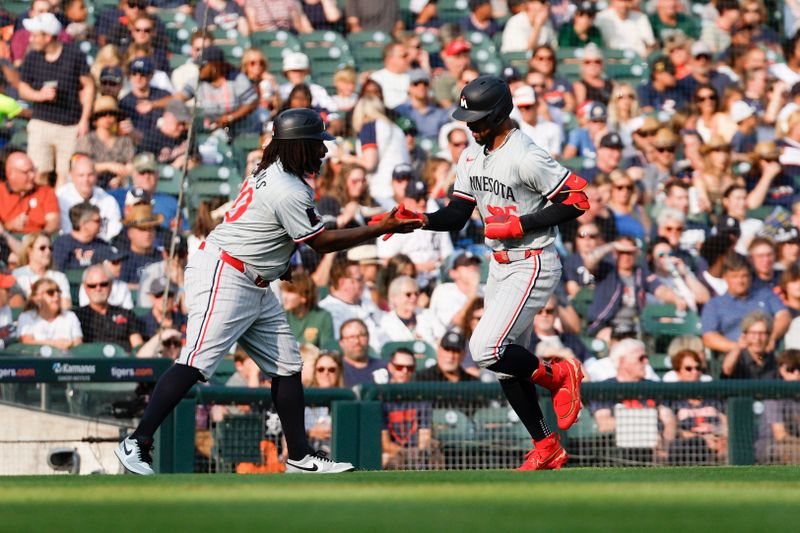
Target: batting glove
402, 213
503, 227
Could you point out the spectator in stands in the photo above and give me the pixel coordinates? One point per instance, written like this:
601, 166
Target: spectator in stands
778, 429
297, 68
673, 272
142, 249
621, 296
427, 116
351, 203
556, 90
145, 33
668, 19
366, 255
437, 173
449, 356
102, 322
766, 182
108, 59
45, 321
271, 15
221, 15
546, 330
359, 367
717, 35
405, 321
110, 259
592, 85
762, 255
399, 265
661, 93
788, 243
380, 148
448, 298
723, 315
544, 133
752, 356
254, 66
581, 30
734, 219
156, 320
144, 184
691, 343
592, 117
309, 323
77, 248
661, 166
344, 81
480, 18
26, 207
19, 42
588, 264
55, 78
629, 217
346, 301
456, 58
328, 372
609, 156
366, 15
702, 73
189, 72
169, 267
394, 77
143, 104
169, 141
210, 214
702, 435
35, 263
529, 28
790, 289
323, 14
598, 213
8, 327
623, 28
109, 149
624, 112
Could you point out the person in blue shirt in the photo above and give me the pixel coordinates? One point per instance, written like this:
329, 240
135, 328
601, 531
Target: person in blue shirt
480, 18
359, 367
593, 117
78, 248
661, 93
722, 315
428, 117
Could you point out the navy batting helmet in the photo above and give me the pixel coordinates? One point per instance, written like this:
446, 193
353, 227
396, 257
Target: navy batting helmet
301, 123
485, 97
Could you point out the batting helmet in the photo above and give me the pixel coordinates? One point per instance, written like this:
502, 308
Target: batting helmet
485, 97
301, 123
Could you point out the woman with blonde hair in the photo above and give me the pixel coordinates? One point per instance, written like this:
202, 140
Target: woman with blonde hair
36, 262
350, 200
381, 146
630, 218
623, 108
255, 66
107, 56
716, 175
45, 321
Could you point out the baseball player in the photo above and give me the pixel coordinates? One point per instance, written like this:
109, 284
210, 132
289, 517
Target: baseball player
522, 195
228, 295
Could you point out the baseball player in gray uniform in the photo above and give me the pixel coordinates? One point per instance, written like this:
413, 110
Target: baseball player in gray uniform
522, 195
228, 295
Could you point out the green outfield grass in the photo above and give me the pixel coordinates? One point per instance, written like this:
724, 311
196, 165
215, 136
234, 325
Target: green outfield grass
758, 499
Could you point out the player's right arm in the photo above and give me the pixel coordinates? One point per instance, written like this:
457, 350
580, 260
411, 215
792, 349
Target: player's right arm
341, 239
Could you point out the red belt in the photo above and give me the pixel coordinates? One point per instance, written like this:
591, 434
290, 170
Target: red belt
225, 257
509, 256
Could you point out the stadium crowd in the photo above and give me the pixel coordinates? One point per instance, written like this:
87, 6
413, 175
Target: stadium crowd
683, 116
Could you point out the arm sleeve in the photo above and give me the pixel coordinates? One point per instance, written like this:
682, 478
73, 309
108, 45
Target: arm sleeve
453, 217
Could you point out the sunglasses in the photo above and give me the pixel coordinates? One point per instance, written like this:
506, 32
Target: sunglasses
44, 247
404, 368
108, 83
411, 293
673, 228
626, 95
691, 369
592, 62
256, 62
625, 187
585, 235
791, 369
526, 107
103, 284
52, 292
712, 98
143, 30
327, 370
665, 149
544, 58
646, 133
664, 254
172, 343
538, 85
547, 311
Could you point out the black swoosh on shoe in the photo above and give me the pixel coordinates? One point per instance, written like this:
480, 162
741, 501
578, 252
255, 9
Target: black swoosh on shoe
306, 469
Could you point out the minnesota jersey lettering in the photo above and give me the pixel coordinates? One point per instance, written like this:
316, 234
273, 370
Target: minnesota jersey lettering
487, 184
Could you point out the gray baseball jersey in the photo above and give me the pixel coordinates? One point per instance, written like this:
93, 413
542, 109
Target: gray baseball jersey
518, 178
273, 212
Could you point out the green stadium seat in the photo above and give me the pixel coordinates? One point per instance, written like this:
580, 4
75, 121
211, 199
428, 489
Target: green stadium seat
322, 39
32, 350
452, 10
279, 39
368, 39
141, 311
210, 173
237, 439
500, 426
662, 323
452, 426
582, 300
761, 212
98, 350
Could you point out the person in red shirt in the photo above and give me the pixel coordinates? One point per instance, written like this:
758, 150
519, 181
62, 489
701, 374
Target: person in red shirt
24, 206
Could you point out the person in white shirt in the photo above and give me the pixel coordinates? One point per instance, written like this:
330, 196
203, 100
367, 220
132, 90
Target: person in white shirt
8, 330
543, 132
405, 321
448, 299
789, 72
82, 187
121, 296
36, 262
625, 29
393, 77
346, 302
189, 72
45, 322
297, 68
529, 28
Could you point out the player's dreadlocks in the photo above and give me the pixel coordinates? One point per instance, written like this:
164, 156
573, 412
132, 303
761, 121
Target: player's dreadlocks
298, 156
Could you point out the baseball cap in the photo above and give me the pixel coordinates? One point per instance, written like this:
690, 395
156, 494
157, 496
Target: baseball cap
699, 48
663, 64
142, 65
416, 189
144, 162
466, 259
137, 195
510, 74
596, 112
366, 254
213, 54
524, 96
403, 171
417, 75
586, 7
647, 123
741, 110
612, 140
295, 61
783, 236
726, 225
453, 340
795, 90
406, 124
178, 110
158, 286
44, 23
7, 281
592, 51
111, 74
457, 46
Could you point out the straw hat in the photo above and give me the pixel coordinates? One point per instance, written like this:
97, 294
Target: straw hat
665, 138
106, 105
141, 216
714, 143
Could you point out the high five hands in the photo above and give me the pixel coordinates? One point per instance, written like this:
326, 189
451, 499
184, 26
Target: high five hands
398, 220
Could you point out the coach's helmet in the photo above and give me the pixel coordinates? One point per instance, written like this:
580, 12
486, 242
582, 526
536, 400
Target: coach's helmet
300, 123
485, 97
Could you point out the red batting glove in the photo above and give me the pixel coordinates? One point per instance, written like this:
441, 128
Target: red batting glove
402, 213
503, 227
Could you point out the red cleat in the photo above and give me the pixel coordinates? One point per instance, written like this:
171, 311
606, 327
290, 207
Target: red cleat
547, 454
562, 377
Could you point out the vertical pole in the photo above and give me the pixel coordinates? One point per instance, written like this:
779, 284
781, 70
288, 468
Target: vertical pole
741, 431
369, 441
345, 431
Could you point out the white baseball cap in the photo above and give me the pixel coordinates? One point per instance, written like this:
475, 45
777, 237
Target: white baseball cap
44, 22
295, 61
741, 110
524, 96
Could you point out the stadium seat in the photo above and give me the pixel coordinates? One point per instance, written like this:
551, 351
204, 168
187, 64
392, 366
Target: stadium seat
662, 323
452, 10
500, 426
75, 278
321, 39
141, 311
519, 60
368, 39
210, 173
98, 350
31, 350
452, 426
237, 439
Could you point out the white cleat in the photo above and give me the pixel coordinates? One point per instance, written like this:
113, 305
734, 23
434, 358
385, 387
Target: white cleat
136, 456
317, 463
